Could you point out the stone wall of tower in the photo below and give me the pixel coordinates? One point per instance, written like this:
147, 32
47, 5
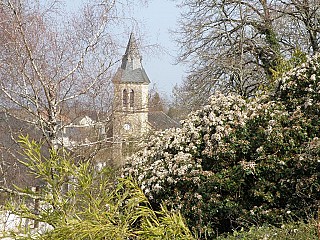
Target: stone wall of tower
140, 97
129, 122
131, 119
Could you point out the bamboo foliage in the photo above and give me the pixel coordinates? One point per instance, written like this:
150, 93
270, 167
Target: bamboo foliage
96, 205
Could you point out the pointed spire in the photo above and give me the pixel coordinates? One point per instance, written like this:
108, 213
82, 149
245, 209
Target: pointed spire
132, 58
132, 47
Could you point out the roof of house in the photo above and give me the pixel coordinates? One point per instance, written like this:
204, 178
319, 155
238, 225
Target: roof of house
14, 172
160, 121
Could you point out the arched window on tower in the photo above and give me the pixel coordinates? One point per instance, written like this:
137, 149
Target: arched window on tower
131, 98
125, 98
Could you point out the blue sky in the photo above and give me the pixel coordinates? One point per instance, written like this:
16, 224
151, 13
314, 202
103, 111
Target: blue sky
155, 20
158, 17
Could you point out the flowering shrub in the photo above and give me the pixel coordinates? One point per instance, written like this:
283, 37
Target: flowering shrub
300, 91
239, 162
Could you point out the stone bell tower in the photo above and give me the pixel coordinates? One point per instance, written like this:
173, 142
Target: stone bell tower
130, 104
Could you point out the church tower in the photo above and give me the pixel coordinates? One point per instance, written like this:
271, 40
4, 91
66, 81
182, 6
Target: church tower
130, 104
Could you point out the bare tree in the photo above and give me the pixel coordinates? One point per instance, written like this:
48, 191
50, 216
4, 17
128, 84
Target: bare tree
53, 65
301, 24
235, 46
48, 61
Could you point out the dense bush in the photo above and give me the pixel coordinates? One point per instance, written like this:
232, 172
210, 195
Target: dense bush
240, 162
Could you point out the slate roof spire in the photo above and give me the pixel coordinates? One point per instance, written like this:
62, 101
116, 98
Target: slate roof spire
131, 60
131, 70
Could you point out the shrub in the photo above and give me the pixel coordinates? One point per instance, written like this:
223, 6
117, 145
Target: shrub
240, 162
